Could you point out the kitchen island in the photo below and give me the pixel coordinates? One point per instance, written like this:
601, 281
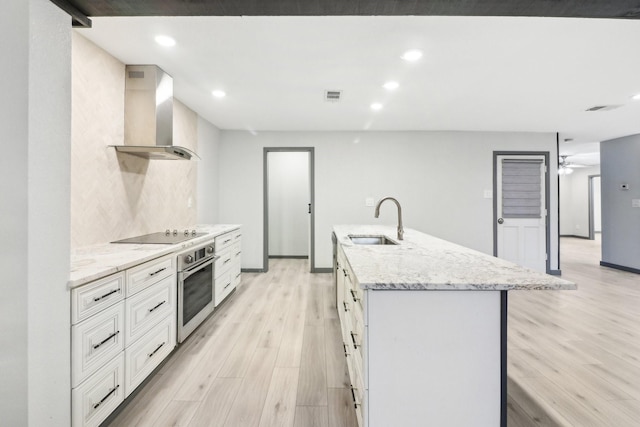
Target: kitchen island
424, 327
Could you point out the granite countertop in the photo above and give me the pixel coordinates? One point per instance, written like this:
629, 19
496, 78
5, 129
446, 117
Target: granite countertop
424, 262
94, 262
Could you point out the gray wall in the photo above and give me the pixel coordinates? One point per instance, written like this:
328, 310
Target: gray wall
619, 164
438, 177
574, 202
35, 118
207, 184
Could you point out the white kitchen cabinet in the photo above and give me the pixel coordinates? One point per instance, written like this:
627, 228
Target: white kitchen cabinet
125, 325
228, 265
145, 275
96, 398
96, 341
145, 309
96, 296
142, 357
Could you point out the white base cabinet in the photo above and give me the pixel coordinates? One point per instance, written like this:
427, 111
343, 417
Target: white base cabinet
123, 326
227, 267
421, 358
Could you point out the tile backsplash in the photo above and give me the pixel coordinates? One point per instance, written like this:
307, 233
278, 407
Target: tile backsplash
115, 196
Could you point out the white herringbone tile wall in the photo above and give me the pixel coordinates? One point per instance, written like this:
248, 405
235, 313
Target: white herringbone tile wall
114, 196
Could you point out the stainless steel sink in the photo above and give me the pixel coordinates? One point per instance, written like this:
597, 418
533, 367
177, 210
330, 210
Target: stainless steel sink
371, 240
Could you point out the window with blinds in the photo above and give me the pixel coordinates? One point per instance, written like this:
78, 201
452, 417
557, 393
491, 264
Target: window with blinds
521, 188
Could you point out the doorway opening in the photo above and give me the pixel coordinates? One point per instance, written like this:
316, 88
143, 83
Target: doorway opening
289, 197
595, 207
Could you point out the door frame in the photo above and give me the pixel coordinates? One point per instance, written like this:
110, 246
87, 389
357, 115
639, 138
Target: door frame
547, 199
592, 234
265, 197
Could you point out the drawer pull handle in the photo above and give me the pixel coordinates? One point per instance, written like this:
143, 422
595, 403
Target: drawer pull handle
113, 390
355, 401
106, 339
156, 350
106, 295
158, 305
238, 275
353, 295
238, 253
238, 236
346, 307
228, 284
345, 272
159, 271
226, 241
353, 338
346, 352
226, 261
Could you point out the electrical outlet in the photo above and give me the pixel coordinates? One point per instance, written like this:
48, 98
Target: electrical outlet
189, 202
369, 201
635, 203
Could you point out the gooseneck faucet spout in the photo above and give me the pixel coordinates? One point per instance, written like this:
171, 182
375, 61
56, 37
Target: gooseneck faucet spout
377, 214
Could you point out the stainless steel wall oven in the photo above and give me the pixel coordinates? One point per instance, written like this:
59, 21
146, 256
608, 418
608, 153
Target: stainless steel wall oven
195, 288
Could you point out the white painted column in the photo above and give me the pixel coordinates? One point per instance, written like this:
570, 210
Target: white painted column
35, 118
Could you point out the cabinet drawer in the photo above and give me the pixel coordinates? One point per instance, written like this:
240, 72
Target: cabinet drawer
147, 353
145, 275
96, 398
96, 341
223, 241
237, 235
223, 264
145, 309
89, 299
224, 284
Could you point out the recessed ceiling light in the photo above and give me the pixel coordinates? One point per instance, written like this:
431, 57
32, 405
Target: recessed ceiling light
218, 93
636, 96
391, 85
412, 55
376, 106
165, 41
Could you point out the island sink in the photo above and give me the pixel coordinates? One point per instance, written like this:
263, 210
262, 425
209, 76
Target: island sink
371, 240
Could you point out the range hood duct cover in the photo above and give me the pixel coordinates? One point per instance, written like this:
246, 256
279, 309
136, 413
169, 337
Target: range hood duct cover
148, 115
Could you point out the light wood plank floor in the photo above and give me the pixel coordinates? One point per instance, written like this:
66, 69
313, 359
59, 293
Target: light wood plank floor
574, 356
271, 355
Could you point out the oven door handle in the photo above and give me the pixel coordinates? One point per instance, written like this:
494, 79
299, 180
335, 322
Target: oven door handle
186, 273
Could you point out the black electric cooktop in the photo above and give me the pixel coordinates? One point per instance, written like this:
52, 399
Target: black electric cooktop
162, 238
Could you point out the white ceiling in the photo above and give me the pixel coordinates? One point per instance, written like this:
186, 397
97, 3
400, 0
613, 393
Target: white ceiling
477, 73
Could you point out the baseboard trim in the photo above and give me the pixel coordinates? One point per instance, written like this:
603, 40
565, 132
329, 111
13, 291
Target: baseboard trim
575, 236
555, 272
254, 270
620, 267
288, 256
322, 270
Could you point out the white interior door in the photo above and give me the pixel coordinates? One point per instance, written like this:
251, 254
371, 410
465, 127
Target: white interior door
521, 213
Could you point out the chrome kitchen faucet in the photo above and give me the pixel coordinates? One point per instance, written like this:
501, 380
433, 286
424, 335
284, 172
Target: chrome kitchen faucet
377, 214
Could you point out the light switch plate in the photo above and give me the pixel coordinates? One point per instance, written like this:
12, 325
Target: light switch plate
635, 203
369, 201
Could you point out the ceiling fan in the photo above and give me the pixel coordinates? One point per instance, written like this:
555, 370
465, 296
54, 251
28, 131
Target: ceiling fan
565, 167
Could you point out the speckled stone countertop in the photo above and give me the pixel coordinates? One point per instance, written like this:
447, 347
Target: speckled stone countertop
93, 262
424, 262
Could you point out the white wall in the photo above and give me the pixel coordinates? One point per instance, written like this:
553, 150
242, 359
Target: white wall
35, 118
14, 124
207, 183
574, 202
620, 164
438, 177
289, 195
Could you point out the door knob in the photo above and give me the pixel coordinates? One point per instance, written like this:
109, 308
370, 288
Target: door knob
500, 220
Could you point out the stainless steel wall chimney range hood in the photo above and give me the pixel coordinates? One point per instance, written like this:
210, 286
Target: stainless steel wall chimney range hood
148, 115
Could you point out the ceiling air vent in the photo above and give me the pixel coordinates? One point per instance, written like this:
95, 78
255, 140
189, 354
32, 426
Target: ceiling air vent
603, 107
332, 95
